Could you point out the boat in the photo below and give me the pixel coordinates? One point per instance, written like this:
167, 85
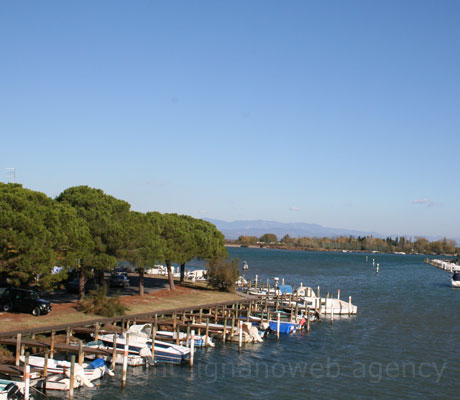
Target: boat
10, 390
59, 372
456, 279
140, 340
200, 340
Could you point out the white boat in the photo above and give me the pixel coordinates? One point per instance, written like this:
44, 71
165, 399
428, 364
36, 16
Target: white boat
11, 389
456, 279
140, 340
200, 340
59, 372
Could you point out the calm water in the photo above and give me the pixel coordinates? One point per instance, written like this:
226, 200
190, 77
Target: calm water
404, 343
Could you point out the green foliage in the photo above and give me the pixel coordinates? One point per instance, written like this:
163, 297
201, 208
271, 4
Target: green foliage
223, 274
98, 303
248, 240
37, 233
268, 238
369, 243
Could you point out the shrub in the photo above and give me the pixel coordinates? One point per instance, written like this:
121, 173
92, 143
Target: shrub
223, 274
98, 303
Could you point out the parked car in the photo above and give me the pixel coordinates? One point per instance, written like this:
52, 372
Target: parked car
119, 280
22, 300
74, 285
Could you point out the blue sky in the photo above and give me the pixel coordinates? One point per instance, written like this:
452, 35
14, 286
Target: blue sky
341, 113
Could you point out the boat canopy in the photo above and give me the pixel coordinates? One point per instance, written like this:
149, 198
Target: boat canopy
285, 289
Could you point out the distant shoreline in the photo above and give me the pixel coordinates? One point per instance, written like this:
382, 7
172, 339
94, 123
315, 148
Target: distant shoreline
288, 248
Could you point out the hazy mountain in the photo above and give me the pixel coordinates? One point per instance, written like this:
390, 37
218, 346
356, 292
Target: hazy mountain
232, 230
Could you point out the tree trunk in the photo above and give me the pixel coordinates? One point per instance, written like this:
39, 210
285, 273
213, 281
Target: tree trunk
182, 273
81, 284
170, 276
141, 281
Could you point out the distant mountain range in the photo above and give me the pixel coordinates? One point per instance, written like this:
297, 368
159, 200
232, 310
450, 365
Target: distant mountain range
235, 229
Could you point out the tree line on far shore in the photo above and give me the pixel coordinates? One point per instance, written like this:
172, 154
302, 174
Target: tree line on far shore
86, 230
419, 245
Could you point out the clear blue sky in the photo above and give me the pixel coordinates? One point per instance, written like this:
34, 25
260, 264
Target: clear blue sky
341, 113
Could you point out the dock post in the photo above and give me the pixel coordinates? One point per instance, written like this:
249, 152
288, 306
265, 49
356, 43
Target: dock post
240, 335
72, 377
224, 336
53, 333
319, 292
45, 366
308, 319
80, 352
349, 305
114, 351
187, 340
256, 280
18, 348
26, 377
154, 336
67, 336
192, 348
296, 312
233, 325
207, 333
125, 362
174, 321
338, 294
278, 323
96, 331
236, 308
177, 334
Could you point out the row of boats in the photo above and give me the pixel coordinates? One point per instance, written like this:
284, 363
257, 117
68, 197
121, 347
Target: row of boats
176, 347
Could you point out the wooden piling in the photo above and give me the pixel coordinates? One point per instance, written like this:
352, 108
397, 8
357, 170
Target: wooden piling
187, 339
240, 334
114, 351
154, 336
224, 335
96, 331
18, 348
192, 348
72, 377
125, 362
80, 352
177, 334
26, 376
308, 319
53, 333
207, 333
45, 366
278, 323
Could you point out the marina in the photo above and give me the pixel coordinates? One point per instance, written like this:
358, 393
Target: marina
266, 329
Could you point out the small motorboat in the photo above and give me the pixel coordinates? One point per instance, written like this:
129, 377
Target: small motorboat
456, 279
11, 389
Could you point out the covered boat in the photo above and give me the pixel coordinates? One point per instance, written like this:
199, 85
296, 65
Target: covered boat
456, 279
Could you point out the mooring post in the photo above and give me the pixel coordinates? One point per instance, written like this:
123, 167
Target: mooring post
67, 336
319, 292
154, 336
233, 326
308, 319
53, 333
96, 331
72, 376
26, 375
174, 321
18, 348
80, 352
349, 305
114, 351
278, 324
177, 334
187, 340
207, 333
338, 294
225, 330
192, 348
240, 335
125, 362
45, 366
